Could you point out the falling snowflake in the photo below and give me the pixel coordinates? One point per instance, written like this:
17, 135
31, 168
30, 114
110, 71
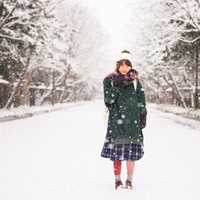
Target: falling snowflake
123, 116
135, 121
112, 95
110, 146
120, 121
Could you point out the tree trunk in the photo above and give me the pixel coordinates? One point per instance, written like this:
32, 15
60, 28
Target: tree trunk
25, 69
174, 87
196, 95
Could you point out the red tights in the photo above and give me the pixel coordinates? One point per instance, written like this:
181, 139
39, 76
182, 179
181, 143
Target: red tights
129, 164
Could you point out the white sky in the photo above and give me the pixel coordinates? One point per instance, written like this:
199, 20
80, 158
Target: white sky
117, 16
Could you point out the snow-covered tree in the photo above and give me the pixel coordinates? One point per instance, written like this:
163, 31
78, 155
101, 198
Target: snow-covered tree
169, 41
40, 39
21, 31
71, 50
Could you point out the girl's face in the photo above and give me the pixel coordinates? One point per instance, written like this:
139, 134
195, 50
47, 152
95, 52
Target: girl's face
123, 69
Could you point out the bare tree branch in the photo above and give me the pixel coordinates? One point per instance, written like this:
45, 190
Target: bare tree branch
11, 38
189, 41
193, 23
9, 14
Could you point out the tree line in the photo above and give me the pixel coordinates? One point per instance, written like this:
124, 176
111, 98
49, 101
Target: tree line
45, 48
170, 47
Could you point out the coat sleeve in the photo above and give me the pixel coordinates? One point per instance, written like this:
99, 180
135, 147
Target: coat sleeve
110, 93
142, 106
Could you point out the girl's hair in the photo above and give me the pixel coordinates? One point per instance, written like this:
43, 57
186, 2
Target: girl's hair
121, 62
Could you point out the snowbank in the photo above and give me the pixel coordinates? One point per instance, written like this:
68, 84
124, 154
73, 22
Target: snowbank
188, 113
26, 111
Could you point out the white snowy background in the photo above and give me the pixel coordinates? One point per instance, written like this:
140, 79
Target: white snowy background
57, 155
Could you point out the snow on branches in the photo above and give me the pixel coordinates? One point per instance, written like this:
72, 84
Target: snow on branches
55, 40
169, 44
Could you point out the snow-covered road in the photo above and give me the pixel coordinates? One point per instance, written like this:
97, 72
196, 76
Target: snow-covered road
57, 156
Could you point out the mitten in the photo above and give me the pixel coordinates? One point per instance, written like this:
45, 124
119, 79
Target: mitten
143, 117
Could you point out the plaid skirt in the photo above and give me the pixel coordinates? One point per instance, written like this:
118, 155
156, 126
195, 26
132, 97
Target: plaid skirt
122, 151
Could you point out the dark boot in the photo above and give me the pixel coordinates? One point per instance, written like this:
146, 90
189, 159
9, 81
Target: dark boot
128, 184
118, 183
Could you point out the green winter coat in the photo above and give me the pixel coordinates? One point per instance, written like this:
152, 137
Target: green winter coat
125, 106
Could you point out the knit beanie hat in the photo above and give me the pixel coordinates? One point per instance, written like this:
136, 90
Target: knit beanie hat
125, 55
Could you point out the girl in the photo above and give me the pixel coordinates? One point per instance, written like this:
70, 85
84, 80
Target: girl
125, 99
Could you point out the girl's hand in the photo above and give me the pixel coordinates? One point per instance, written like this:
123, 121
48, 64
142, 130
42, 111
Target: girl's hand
143, 120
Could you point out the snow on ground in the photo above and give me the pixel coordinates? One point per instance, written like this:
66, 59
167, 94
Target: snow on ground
188, 112
29, 111
57, 156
